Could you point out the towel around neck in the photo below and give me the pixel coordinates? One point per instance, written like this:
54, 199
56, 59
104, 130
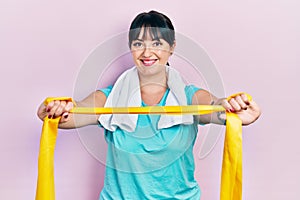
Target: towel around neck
126, 93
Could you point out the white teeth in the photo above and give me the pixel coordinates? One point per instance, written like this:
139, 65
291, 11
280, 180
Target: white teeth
149, 62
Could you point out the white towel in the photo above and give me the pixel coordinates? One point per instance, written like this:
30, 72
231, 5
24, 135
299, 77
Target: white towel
126, 93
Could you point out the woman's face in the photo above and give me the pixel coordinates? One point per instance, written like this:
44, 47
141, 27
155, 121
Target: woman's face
150, 54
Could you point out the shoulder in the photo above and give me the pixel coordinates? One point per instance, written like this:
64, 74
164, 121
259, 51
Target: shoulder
106, 91
203, 97
190, 91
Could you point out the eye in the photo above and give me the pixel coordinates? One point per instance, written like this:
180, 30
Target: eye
137, 44
157, 44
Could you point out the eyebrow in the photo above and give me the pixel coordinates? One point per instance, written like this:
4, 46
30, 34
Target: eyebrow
141, 40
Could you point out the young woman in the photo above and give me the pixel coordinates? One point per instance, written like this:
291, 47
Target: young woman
150, 156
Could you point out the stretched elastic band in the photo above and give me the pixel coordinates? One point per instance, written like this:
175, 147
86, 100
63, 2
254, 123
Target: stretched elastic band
231, 182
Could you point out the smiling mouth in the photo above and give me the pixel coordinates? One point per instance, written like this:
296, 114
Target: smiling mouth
148, 62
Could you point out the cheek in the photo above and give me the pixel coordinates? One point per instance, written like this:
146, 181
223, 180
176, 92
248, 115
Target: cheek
136, 54
163, 54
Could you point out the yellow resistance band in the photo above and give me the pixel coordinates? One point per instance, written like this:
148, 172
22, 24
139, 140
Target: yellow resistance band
231, 182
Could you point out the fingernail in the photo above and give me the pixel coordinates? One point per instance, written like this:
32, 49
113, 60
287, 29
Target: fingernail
49, 116
48, 110
247, 103
66, 116
245, 108
232, 110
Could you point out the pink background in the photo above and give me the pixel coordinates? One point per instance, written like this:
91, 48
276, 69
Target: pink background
254, 44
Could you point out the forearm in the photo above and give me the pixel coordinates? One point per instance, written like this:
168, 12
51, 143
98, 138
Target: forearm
247, 110
203, 97
70, 120
215, 117
79, 120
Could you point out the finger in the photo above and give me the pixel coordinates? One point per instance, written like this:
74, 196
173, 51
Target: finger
64, 117
65, 114
41, 112
51, 113
240, 101
227, 106
60, 108
69, 106
235, 105
49, 106
245, 99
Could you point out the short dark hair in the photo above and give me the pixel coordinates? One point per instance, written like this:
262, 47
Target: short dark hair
159, 25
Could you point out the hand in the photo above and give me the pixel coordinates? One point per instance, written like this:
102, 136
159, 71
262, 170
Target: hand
248, 111
55, 109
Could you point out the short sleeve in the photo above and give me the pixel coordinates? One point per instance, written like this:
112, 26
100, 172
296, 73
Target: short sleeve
106, 90
190, 90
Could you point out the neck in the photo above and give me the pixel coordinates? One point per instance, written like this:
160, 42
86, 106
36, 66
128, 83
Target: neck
155, 82
153, 86
152, 90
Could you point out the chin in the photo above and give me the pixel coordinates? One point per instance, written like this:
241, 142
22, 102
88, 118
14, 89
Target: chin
151, 70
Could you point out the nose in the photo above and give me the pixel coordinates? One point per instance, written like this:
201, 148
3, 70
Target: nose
147, 51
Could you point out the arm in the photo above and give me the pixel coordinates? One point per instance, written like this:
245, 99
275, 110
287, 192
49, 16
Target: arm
203, 97
70, 120
248, 111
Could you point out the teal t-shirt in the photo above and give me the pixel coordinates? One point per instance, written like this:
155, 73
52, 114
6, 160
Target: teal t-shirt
151, 163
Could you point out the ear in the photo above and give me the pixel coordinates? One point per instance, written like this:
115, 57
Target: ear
173, 47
